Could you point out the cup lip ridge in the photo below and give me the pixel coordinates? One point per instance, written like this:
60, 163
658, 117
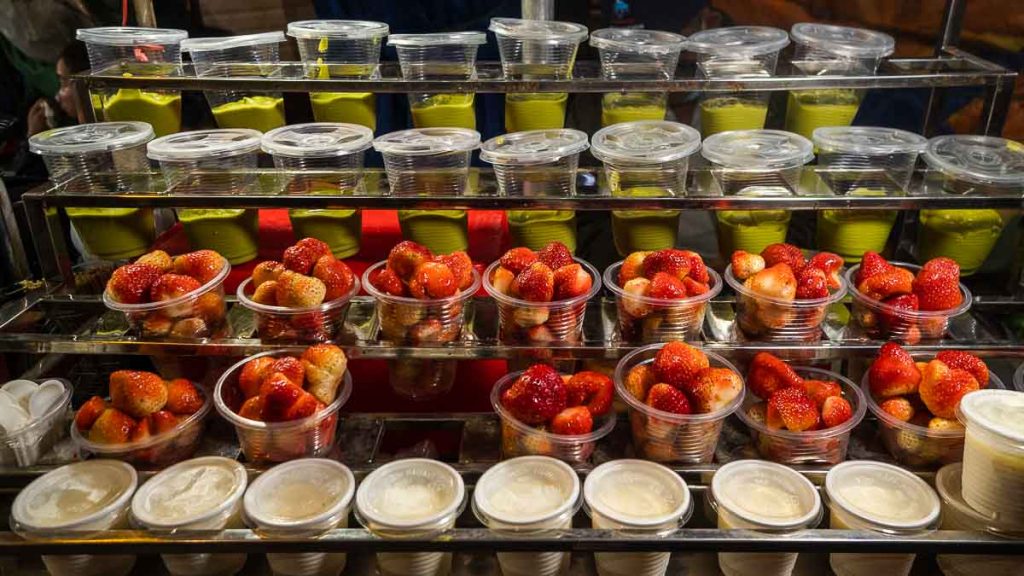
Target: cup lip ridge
569, 505
809, 519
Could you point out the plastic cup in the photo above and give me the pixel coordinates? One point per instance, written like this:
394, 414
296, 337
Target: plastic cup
301, 499
439, 56
283, 324
535, 229
414, 497
520, 439
247, 55
23, 446
529, 495
884, 499
762, 497
826, 446
341, 49
78, 500
102, 156
635, 497
150, 52
627, 53
199, 494
880, 321
666, 437
643, 319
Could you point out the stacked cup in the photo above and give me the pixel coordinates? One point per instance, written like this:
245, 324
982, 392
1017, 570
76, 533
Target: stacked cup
633, 54
439, 56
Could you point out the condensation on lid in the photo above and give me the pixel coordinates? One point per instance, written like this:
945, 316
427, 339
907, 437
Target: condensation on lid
189, 492
738, 41
999, 412
205, 144
766, 493
414, 493
343, 29
843, 41
130, 35
304, 492
74, 495
526, 490
87, 138
425, 141
883, 495
645, 141
636, 493
543, 30
317, 140
758, 149
867, 140
978, 159
227, 42
438, 39
638, 41
533, 146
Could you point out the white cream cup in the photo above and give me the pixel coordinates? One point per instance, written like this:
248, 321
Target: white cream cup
415, 497
302, 498
78, 500
528, 495
763, 496
867, 495
202, 494
635, 497
958, 515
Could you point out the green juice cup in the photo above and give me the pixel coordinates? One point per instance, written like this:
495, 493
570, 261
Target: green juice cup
628, 53
535, 111
723, 113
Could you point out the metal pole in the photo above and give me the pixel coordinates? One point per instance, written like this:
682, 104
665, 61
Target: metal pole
949, 37
538, 9
144, 15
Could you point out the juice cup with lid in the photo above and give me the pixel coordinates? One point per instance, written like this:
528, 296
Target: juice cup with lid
136, 51
328, 159
635, 497
968, 165
199, 494
638, 54
823, 49
79, 500
102, 156
341, 49
206, 161
529, 495
414, 497
884, 499
439, 56
254, 55
645, 158
763, 497
301, 499
537, 163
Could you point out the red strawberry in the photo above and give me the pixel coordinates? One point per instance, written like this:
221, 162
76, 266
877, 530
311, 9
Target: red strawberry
336, 276
536, 396
571, 280
898, 407
592, 390
252, 408
162, 421
461, 267
406, 256
632, 267
776, 281
698, 270
304, 406
137, 393
678, 363
112, 427
835, 411
820, 390
666, 287
942, 388
695, 288
278, 393
871, 264
938, 285
942, 266
266, 271
639, 381
183, 397
171, 286
555, 255
252, 375
784, 254
292, 369
745, 264
385, 280
130, 284
965, 361
893, 373
891, 282
502, 279
812, 284
769, 373
668, 399
671, 261
714, 388
142, 431
304, 254
432, 280
296, 290
203, 265
535, 284
518, 259
829, 263
573, 421
266, 293
793, 410
89, 412
904, 302
157, 258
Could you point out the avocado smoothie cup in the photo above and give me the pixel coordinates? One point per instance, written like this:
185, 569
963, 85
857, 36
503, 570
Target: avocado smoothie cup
627, 53
439, 56
136, 51
205, 161
326, 158
102, 155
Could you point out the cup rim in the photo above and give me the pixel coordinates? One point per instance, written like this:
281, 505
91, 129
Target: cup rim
95, 138
969, 416
263, 522
338, 29
742, 290
611, 282
325, 307
681, 513
569, 506
122, 500
152, 522
391, 299
506, 300
899, 312
545, 148
808, 520
621, 40
153, 306
760, 40
360, 140
927, 523
607, 421
547, 31
130, 35
216, 44
366, 517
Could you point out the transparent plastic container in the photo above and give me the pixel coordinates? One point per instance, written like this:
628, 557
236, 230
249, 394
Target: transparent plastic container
665, 437
439, 56
329, 160
520, 439
24, 446
249, 55
102, 156
643, 319
880, 321
207, 161
200, 313
824, 446
136, 51
628, 53
263, 442
283, 324
536, 162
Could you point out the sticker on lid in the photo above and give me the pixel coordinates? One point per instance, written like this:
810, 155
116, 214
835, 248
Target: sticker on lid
635, 40
868, 140
544, 30
738, 41
88, 138
438, 39
337, 29
646, 141
843, 41
228, 42
533, 146
204, 144
978, 159
317, 140
130, 35
758, 149
424, 141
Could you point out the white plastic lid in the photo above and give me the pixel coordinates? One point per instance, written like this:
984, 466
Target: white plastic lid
533, 146
544, 30
130, 35
738, 41
885, 496
978, 159
637, 40
74, 495
88, 138
410, 494
767, 494
425, 141
204, 144
867, 140
999, 412
300, 493
758, 149
636, 493
645, 141
843, 41
526, 490
317, 140
342, 29
438, 39
189, 492
227, 42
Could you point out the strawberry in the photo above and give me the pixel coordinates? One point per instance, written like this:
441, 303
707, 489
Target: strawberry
937, 287
571, 281
252, 375
639, 381
573, 421
162, 421
871, 265
555, 255
937, 423
678, 363
784, 254
502, 279
304, 406
745, 264
698, 270
183, 397
266, 294
668, 399
89, 412
252, 408
769, 373
670, 261
592, 390
137, 393
266, 271
942, 388
758, 412
898, 407
142, 431
665, 286
325, 366
130, 284
406, 256
831, 264
942, 267
893, 373
304, 254
965, 361
518, 259
461, 267
903, 302
295, 290
158, 259
812, 284
432, 280
210, 308
632, 267
820, 390
203, 265
189, 328
695, 288
714, 388
112, 427
892, 282
777, 282
278, 396
385, 280
171, 286
536, 396
535, 284
634, 306
835, 411
292, 369
336, 276
792, 409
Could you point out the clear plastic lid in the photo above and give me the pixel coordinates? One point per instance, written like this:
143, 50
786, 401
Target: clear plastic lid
205, 144
410, 494
74, 495
738, 41
130, 35
426, 141
766, 494
999, 412
637, 493
637, 40
317, 140
758, 149
342, 29
90, 138
300, 493
645, 141
533, 146
543, 30
438, 39
526, 490
843, 41
867, 140
978, 159
886, 497
189, 492
227, 42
